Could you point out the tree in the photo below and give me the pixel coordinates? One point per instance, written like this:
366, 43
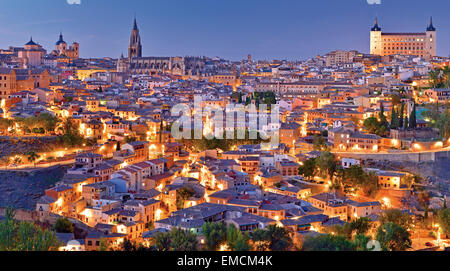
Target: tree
17, 160
327, 164
320, 143
327, 242
161, 129
435, 78
395, 123
393, 237
361, 225
443, 124
162, 241
183, 194
360, 242
25, 236
273, 238
444, 220
396, 216
412, 118
32, 157
183, 240
5, 124
236, 240
260, 240
405, 123
382, 117
279, 238
308, 168
424, 200
373, 126
71, 135
63, 225
215, 234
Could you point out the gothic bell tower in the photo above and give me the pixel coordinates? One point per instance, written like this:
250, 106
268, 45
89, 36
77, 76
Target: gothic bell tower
135, 47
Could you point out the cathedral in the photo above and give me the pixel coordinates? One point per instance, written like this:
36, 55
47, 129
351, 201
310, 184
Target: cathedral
137, 64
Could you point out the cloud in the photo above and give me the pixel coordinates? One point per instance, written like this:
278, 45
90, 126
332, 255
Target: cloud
370, 2
74, 2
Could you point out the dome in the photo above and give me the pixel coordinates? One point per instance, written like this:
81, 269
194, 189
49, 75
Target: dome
61, 40
31, 42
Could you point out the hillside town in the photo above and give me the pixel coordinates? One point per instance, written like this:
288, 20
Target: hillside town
354, 148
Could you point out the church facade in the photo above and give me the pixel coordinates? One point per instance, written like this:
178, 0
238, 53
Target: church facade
136, 63
421, 44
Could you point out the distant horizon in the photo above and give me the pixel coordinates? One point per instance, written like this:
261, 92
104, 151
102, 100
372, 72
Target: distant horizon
285, 30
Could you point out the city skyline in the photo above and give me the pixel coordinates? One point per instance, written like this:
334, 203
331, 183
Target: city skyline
260, 30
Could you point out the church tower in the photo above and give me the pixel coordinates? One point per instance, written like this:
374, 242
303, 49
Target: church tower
430, 40
135, 47
375, 39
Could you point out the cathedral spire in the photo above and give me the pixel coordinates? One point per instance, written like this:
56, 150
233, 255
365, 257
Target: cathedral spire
135, 24
135, 47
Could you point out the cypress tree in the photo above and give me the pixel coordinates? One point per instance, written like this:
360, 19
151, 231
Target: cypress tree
161, 127
394, 119
401, 117
413, 119
405, 123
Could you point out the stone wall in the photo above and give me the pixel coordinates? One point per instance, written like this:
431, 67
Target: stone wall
416, 157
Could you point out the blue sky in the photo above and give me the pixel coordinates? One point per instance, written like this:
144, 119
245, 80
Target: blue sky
267, 29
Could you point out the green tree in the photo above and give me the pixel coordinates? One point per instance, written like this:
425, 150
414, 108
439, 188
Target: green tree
162, 241
25, 236
413, 118
17, 160
63, 225
382, 116
327, 164
444, 220
396, 216
395, 123
443, 124
273, 238
32, 157
260, 240
320, 143
393, 237
405, 123
308, 168
327, 242
183, 240
183, 194
215, 235
361, 225
373, 126
360, 242
71, 135
236, 240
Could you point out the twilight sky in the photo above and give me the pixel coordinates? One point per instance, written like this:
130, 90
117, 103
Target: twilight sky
267, 29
